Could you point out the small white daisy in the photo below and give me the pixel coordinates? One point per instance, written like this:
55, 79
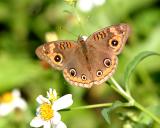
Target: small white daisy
47, 112
10, 101
87, 5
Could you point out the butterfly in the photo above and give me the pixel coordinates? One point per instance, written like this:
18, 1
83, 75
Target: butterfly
90, 61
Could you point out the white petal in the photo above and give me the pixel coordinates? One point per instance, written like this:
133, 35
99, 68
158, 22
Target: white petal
60, 125
54, 93
98, 2
85, 5
56, 119
63, 102
36, 122
20, 103
47, 125
38, 109
16, 93
41, 99
51, 93
5, 109
48, 95
50, 90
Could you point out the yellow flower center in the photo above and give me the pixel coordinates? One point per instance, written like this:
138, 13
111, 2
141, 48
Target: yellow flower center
46, 111
6, 97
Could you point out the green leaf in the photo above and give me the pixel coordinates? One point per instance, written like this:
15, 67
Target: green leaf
105, 112
132, 65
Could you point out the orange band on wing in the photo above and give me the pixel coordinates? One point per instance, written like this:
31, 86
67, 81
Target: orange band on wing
107, 73
76, 80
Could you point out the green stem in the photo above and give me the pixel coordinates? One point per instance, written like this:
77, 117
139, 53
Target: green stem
95, 106
139, 106
92, 106
128, 90
128, 97
120, 90
89, 106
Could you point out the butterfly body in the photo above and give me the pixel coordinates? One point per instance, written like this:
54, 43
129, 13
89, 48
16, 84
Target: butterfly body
90, 61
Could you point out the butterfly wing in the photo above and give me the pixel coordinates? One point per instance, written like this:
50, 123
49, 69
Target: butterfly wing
103, 46
57, 53
111, 38
67, 56
96, 64
77, 71
103, 65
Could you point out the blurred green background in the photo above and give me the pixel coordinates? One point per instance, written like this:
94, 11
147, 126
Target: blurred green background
23, 25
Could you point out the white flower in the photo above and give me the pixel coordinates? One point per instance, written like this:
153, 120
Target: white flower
10, 101
51, 36
87, 5
47, 112
98, 2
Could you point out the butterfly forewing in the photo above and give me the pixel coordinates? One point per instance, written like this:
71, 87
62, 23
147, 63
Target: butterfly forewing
57, 53
113, 37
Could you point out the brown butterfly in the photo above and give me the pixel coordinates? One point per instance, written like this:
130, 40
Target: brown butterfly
87, 62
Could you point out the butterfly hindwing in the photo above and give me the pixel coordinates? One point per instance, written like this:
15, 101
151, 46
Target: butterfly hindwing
77, 71
103, 65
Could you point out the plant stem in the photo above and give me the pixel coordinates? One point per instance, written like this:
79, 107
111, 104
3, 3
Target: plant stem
139, 106
93, 106
120, 90
128, 97
89, 106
